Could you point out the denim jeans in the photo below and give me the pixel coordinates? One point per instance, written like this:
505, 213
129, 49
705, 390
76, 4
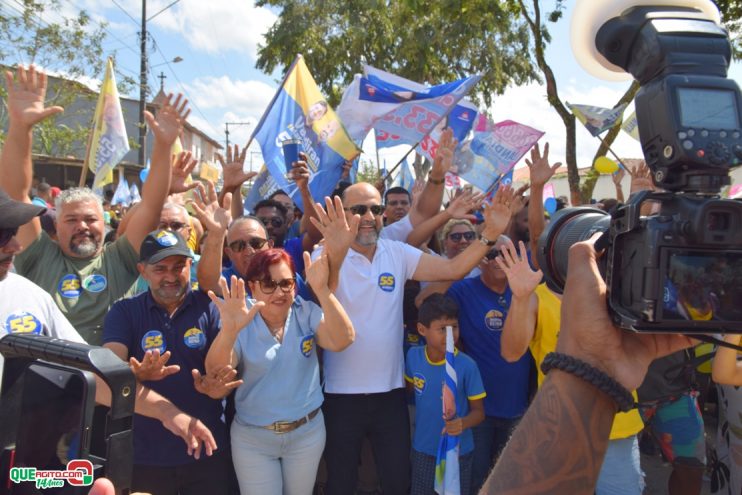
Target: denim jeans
269, 463
490, 437
621, 472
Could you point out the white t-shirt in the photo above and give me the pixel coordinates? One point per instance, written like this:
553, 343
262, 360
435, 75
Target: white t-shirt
372, 294
397, 231
27, 308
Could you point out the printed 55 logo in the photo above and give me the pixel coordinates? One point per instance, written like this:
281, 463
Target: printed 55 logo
79, 472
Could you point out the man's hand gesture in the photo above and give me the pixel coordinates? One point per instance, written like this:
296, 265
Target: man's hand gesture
183, 165
233, 168
212, 216
522, 279
170, 119
539, 167
153, 366
26, 96
217, 384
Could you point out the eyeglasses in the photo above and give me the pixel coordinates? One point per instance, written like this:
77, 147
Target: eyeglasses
398, 202
361, 210
256, 243
172, 225
457, 236
270, 286
276, 222
6, 235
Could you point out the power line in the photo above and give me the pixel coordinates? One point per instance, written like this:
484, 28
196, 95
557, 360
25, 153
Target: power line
136, 22
162, 10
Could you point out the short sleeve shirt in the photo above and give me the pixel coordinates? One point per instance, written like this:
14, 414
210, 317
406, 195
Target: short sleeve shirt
84, 289
427, 378
281, 379
372, 293
397, 231
141, 325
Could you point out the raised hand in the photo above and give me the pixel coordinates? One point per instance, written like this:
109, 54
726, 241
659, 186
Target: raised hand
170, 119
522, 279
233, 307
317, 272
641, 178
233, 168
212, 216
331, 222
217, 384
26, 96
497, 215
181, 173
618, 176
444, 155
153, 366
464, 202
299, 172
539, 167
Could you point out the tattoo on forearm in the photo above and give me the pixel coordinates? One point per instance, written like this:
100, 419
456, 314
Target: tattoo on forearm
559, 445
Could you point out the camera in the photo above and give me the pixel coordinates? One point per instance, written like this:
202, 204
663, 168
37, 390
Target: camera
678, 269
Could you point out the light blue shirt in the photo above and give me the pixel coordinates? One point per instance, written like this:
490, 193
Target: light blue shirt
281, 379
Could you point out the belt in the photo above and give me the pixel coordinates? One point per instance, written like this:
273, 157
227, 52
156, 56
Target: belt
287, 426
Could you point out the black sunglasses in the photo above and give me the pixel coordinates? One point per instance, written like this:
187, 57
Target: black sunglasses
361, 210
457, 236
276, 222
172, 225
270, 286
256, 243
6, 235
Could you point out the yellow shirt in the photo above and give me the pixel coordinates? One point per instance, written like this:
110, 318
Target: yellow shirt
544, 341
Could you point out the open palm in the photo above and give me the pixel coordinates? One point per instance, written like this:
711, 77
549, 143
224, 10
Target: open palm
522, 279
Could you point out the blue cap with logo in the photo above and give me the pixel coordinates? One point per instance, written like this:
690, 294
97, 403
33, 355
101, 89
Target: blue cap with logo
160, 244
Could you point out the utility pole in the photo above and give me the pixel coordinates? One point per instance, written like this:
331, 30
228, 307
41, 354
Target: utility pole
143, 88
226, 131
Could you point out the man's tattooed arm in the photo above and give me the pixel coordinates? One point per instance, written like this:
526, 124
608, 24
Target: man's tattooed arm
560, 444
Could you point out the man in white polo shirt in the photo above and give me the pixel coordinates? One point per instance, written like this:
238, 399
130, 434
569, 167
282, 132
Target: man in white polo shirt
364, 388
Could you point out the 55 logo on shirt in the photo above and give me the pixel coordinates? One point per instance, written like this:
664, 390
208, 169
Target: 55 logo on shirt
23, 322
418, 381
153, 340
387, 282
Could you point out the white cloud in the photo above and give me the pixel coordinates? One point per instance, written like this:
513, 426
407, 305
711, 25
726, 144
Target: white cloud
248, 98
216, 26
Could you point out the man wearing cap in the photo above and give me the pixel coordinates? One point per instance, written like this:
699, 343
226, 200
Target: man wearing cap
165, 334
27, 308
83, 276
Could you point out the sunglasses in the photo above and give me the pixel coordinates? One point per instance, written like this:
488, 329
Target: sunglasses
6, 235
398, 202
457, 236
172, 225
270, 286
256, 243
276, 222
361, 210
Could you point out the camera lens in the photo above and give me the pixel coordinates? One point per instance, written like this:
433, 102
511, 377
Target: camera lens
567, 227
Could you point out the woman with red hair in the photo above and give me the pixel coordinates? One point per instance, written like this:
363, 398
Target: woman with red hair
278, 434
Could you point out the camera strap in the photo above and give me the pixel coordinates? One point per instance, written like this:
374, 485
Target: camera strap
715, 341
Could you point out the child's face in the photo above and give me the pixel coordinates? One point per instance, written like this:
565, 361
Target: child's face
435, 334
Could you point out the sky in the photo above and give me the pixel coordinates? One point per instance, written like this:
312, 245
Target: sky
218, 40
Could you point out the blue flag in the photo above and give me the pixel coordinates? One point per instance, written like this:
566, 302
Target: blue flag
262, 187
447, 476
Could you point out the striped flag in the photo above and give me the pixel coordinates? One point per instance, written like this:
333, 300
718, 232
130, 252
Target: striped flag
447, 461
597, 119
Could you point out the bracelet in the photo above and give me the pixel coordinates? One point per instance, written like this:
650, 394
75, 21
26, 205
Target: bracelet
622, 397
437, 182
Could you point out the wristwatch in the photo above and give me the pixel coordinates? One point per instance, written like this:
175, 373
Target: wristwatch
437, 182
486, 241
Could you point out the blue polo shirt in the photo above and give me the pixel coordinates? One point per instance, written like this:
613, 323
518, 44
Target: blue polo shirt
482, 314
141, 325
427, 377
302, 288
296, 251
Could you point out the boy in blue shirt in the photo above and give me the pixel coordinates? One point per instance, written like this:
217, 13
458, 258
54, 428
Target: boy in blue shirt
424, 373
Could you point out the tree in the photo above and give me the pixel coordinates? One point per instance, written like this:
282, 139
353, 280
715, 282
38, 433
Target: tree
731, 18
429, 42
70, 49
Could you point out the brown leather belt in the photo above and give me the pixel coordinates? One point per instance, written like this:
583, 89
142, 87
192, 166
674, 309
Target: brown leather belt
287, 426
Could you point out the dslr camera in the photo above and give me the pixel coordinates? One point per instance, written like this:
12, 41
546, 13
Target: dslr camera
678, 269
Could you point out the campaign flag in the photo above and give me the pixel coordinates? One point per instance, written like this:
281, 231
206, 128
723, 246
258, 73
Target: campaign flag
735, 191
209, 171
406, 177
134, 193
597, 119
490, 154
447, 479
631, 126
506, 180
262, 187
403, 112
299, 111
109, 142
122, 195
549, 191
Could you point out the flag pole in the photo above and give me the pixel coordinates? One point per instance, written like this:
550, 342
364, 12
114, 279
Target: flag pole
86, 161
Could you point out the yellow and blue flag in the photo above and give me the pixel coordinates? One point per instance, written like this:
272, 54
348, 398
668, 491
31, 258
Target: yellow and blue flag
299, 111
262, 187
447, 476
109, 142
631, 126
597, 119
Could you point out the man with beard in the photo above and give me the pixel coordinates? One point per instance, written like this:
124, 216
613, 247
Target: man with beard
364, 387
170, 322
83, 277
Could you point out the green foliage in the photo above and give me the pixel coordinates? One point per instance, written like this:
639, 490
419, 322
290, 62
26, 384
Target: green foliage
429, 42
367, 172
731, 17
71, 49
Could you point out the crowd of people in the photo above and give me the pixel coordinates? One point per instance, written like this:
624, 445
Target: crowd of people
304, 351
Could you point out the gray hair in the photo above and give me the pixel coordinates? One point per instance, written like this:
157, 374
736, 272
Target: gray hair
176, 206
76, 194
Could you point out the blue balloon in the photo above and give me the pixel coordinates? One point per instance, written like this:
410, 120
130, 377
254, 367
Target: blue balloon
550, 205
143, 174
